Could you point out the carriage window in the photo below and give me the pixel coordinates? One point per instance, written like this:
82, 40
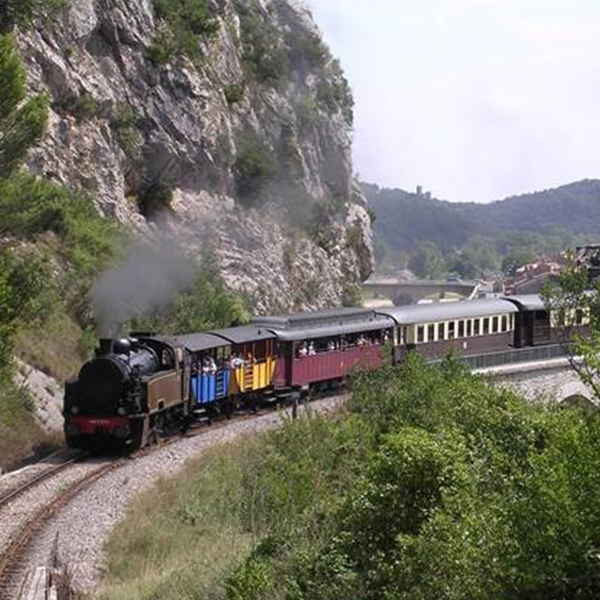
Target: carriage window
451, 330
504, 323
420, 334
431, 333
486, 326
477, 326
495, 325
469, 328
441, 331
461, 329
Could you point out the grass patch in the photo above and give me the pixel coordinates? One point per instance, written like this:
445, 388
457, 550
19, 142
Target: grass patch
57, 348
236, 500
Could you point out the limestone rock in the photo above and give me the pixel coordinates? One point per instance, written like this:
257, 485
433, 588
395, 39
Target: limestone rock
308, 236
46, 393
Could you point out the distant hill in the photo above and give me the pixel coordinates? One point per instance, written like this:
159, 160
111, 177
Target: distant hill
404, 220
574, 208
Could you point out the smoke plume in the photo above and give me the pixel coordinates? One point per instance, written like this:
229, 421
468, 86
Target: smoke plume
147, 281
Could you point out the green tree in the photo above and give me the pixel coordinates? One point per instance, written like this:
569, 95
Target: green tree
21, 125
21, 283
208, 304
575, 300
517, 257
428, 262
477, 259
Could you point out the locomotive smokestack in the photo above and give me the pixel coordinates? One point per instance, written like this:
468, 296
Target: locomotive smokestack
106, 346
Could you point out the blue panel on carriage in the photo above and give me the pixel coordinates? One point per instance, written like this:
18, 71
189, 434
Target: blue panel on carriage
210, 387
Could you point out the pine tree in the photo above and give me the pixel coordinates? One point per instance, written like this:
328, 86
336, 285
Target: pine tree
21, 123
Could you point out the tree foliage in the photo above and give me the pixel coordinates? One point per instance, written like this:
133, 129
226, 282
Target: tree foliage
21, 283
462, 491
208, 304
21, 125
572, 302
428, 262
188, 23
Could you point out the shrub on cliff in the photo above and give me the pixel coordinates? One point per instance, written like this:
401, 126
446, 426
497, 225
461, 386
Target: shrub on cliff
254, 166
188, 22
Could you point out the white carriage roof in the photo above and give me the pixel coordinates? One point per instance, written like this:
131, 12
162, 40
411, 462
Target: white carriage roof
322, 324
527, 302
448, 311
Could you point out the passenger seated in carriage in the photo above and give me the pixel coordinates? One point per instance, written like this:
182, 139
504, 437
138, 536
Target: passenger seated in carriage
209, 366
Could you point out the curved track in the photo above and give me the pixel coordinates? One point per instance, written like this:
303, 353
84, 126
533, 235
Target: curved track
11, 495
11, 560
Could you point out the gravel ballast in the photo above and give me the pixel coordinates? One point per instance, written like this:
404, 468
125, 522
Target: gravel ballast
83, 526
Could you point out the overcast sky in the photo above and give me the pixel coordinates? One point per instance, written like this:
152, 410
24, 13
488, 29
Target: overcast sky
474, 99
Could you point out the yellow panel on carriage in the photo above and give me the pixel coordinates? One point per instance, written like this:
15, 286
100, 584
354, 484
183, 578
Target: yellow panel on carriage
253, 377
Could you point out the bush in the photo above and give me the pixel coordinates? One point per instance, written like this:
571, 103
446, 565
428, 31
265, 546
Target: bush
254, 166
234, 93
22, 123
30, 206
352, 295
156, 199
189, 22
124, 124
207, 305
161, 50
264, 56
21, 283
85, 108
24, 12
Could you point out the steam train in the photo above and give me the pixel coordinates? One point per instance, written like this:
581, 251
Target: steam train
141, 387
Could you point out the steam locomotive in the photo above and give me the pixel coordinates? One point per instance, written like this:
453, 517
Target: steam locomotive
143, 386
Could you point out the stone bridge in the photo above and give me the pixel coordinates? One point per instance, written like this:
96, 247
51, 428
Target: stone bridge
410, 292
546, 381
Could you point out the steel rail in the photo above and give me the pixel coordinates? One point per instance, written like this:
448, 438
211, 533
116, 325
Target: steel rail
8, 497
11, 560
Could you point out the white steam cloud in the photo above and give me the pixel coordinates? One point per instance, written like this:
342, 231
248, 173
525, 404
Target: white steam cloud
148, 280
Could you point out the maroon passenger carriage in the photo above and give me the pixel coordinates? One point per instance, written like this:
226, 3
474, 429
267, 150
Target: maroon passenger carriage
320, 349
476, 327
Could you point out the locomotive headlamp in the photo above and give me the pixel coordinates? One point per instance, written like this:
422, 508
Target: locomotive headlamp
121, 411
75, 410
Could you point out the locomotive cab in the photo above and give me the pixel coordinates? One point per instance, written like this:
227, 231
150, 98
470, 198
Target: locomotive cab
120, 392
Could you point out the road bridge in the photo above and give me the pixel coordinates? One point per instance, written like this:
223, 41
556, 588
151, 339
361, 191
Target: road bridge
410, 292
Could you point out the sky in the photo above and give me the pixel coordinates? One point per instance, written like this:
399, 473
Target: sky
475, 100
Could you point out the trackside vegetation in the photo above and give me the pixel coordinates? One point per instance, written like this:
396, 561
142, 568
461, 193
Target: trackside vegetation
429, 484
51, 238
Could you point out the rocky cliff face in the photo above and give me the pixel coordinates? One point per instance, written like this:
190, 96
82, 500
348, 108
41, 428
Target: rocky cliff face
230, 126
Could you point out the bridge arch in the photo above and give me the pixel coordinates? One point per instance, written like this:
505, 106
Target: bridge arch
576, 395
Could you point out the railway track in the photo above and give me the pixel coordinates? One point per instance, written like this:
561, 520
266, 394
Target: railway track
12, 560
11, 495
